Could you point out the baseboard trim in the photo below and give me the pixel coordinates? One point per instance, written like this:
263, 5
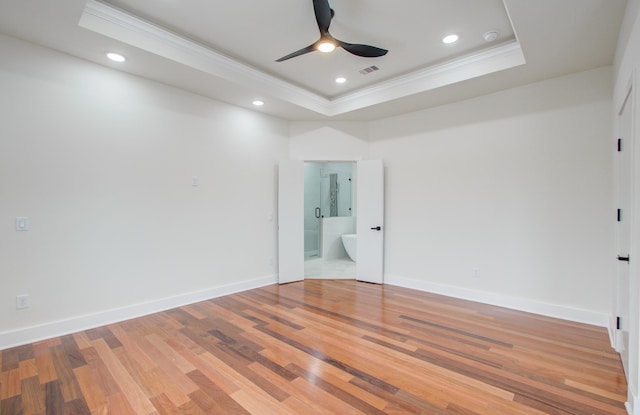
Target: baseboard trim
32, 334
501, 300
633, 404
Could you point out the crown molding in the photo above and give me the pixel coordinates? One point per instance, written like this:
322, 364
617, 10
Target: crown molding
127, 28
119, 25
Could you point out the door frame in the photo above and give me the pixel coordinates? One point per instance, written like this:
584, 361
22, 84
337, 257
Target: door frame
282, 212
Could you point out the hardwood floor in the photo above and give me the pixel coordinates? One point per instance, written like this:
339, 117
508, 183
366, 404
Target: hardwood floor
320, 347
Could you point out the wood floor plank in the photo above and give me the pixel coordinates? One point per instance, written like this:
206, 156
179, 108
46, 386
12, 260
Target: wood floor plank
33, 396
10, 359
244, 378
64, 371
12, 405
54, 401
595, 390
44, 363
120, 405
10, 384
133, 348
167, 366
72, 351
220, 401
164, 405
133, 392
260, 404
176, 359
77, 407
321, 347
82, 340
91, 390
296, 401
100, 373
28, 368
211, 371
161, 383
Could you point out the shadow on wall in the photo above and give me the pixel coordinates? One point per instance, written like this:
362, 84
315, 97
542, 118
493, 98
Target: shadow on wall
358, 130
511, 103
314, 141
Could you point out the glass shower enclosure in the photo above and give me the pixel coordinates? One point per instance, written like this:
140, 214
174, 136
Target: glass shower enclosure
327, 193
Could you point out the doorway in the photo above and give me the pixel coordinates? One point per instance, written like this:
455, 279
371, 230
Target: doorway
329, 213
370, 227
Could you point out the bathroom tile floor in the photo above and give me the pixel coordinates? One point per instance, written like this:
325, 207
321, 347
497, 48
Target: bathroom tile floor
342, 268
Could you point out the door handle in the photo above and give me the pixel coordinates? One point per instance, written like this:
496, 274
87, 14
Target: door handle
317, 213
623, 258
377, 228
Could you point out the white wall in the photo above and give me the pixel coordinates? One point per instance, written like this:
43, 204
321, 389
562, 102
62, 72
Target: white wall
102, 163
516, 184
627, 65
328, 141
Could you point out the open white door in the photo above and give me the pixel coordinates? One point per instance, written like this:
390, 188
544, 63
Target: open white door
290, 221
623, 245
370, 216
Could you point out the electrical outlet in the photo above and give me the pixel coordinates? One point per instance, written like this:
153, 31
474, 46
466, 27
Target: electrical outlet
475, 273
270, 260
22, 302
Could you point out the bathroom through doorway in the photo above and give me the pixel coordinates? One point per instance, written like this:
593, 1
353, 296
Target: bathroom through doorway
329, 213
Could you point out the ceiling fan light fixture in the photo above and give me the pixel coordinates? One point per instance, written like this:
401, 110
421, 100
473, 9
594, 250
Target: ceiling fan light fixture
449, 39
326, 46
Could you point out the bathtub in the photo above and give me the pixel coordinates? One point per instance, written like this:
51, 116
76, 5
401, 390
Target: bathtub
350, 242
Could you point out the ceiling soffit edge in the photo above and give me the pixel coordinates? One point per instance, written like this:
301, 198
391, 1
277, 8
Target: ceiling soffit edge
116, 24
478, 64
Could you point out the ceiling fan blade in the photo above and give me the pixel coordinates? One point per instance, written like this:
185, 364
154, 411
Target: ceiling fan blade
324, 14
302, 51
365, 51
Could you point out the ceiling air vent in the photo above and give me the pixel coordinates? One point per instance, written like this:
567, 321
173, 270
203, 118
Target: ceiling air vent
368, 70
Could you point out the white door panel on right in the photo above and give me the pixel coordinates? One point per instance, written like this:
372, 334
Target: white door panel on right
370, 221
623, 245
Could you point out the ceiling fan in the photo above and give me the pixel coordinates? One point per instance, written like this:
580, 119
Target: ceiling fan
327, 43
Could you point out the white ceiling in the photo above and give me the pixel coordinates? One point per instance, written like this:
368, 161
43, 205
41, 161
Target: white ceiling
226, 50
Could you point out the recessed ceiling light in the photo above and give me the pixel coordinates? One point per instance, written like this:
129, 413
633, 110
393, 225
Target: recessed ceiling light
258, 103
326, 46
491, 35
450, 39
116, 57
341, 80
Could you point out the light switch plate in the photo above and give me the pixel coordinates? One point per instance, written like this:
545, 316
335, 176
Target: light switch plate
22, 223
